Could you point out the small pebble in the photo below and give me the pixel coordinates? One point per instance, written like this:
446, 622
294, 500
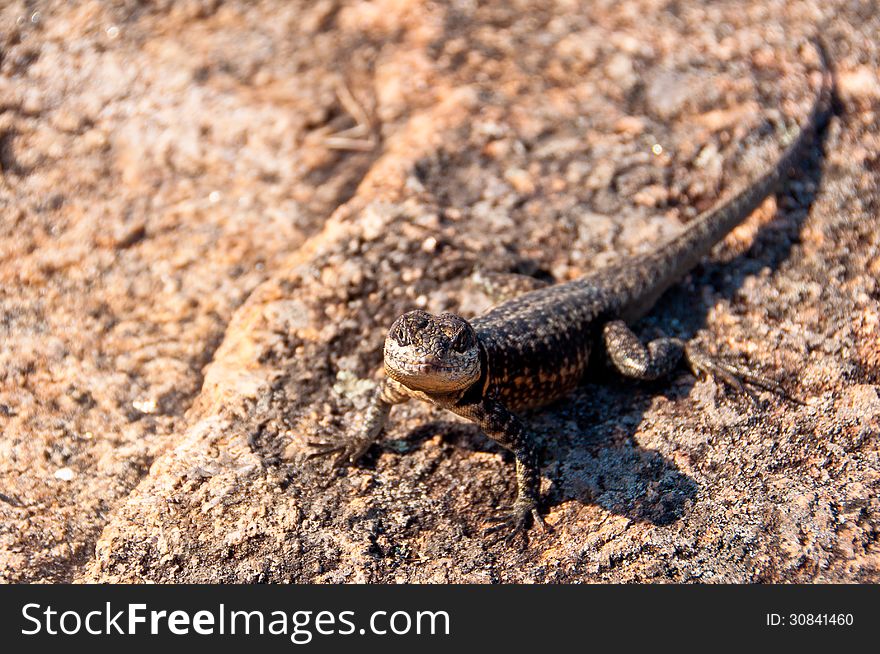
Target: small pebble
64, 474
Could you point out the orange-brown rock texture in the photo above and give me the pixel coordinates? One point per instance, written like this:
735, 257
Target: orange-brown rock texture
210, 213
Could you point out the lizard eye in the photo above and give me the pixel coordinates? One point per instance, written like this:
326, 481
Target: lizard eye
399, 333
462, 341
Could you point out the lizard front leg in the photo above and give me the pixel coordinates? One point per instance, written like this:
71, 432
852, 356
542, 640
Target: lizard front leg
347, 452
660, 357
502, 426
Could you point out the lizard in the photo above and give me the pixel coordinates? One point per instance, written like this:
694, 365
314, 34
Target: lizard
534, 348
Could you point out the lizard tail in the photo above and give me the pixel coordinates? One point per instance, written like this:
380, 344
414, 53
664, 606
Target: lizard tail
673, 260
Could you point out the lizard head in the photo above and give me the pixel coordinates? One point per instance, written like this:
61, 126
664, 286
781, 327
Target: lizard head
434, 354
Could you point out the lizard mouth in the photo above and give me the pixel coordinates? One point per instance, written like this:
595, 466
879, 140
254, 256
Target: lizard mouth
424, 365
428, 374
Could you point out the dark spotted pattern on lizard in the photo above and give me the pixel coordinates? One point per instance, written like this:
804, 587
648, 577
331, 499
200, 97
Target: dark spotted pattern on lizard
534, 348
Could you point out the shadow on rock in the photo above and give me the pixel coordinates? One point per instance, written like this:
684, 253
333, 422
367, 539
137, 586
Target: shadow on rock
598, 459
599, 463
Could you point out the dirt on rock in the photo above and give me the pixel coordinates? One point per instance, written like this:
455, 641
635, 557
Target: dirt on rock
212, 212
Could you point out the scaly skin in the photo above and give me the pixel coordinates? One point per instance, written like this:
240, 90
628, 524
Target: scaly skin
534, 348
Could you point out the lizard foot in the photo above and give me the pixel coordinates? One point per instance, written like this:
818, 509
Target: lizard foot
344, 453
737, 377
515, 521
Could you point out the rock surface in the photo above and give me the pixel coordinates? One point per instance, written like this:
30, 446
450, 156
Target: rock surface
213, 211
